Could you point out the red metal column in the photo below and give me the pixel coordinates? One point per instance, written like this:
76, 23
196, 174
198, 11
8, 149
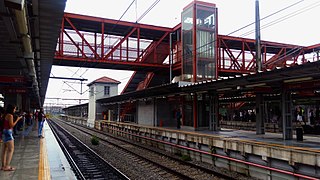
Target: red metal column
95, 45
102, 40
61, 38
243, 57
217, 49
82, 46
138, 43
127, 49
120, 58
265, 54
182, 102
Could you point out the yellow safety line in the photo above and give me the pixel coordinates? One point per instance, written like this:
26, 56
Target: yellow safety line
44, 168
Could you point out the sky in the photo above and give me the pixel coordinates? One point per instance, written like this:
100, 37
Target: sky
295, 25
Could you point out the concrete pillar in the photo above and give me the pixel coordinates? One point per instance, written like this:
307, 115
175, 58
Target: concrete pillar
260, 127
109, 115
14, 99
316, 112
91, 108
214, 112
27, 103
155, 112
118, 109
286, 106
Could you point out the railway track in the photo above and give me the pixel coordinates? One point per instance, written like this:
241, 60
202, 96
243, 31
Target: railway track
85, 162
166, 166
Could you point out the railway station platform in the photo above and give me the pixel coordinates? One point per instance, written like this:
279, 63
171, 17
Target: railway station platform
263, 156
310, 142
37, 158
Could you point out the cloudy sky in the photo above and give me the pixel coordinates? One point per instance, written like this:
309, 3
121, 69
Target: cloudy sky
294, 25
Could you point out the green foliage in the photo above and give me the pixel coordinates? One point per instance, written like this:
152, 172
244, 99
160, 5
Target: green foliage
94, 140
186, 158
178, 153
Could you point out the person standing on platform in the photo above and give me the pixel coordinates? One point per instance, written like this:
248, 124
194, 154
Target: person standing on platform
41, 118
8, 140
36, 113
178, 117
1, 121
311, 116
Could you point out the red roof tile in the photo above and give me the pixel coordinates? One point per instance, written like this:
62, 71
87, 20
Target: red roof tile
105, 79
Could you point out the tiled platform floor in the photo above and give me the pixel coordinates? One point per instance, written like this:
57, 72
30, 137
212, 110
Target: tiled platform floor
26, 157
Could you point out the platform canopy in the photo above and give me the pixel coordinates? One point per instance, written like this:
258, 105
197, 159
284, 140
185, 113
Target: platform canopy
29, 32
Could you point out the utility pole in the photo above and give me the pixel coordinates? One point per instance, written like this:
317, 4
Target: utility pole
258, 38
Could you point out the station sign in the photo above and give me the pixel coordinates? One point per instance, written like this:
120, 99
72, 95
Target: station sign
18, 91
303, 85
15, 90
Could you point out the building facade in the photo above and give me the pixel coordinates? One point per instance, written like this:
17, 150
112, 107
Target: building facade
101, 88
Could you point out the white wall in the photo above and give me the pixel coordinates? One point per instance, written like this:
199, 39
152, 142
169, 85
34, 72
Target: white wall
143, 117
92, 107
95, 109
100, 90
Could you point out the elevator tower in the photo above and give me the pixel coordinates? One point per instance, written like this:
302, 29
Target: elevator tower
199, 41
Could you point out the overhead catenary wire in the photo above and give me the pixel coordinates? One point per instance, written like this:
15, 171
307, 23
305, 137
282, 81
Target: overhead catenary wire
278, 20
288, 16
62, 83
274, 13
148, 10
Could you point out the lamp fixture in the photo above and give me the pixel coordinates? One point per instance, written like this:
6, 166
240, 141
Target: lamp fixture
255, 85
224, 89
297, 79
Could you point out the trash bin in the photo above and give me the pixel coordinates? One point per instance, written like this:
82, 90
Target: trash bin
299, 134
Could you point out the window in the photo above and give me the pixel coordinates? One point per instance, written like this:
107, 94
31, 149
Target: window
106, 90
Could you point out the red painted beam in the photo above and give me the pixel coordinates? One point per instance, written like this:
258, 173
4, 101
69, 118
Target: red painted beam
12, 79
316, 46
114, 61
